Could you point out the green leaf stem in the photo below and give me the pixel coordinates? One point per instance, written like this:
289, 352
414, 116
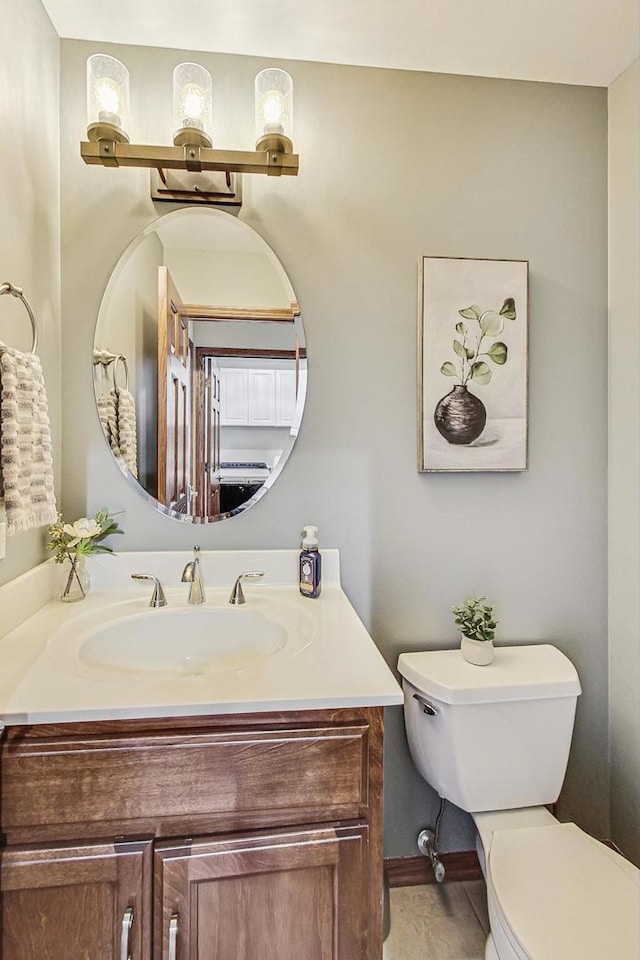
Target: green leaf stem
490, 324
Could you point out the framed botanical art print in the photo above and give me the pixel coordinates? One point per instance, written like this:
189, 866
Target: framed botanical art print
472, 364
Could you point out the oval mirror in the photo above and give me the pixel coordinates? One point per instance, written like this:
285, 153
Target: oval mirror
200, 365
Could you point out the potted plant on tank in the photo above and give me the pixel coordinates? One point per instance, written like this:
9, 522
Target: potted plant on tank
477, 626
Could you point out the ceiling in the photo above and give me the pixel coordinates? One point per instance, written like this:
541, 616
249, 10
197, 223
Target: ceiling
563, 41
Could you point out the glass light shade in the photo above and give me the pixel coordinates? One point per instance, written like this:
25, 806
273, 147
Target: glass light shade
274, 107
107, 98
192, 104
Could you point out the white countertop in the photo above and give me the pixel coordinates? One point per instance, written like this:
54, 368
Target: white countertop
332, 663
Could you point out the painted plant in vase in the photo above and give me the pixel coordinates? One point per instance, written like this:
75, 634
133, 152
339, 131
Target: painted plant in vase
460, 416
472, 330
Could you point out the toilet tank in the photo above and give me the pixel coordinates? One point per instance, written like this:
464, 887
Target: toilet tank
494, 737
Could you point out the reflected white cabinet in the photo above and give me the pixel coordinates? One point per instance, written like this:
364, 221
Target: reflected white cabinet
234, 401
285, 397
262, 398
258, 397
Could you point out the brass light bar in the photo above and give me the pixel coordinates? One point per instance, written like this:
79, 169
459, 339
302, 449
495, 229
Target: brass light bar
192, 150
110, 153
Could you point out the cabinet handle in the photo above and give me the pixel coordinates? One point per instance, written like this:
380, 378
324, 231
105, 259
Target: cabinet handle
173, 936
127, 921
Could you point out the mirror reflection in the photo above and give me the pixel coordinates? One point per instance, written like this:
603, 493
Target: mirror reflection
200, 365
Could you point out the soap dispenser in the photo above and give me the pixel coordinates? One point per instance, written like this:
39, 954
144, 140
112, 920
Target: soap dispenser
310, 564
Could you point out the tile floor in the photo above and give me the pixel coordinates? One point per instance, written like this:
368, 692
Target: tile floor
438, 922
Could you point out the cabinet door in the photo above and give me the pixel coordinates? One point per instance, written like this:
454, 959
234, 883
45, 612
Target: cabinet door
282, 895
262, 398
285, 397
67, 903
235, 397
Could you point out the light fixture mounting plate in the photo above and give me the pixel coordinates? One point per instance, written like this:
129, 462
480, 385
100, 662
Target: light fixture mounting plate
213, 188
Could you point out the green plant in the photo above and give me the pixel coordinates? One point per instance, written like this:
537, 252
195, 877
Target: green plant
475, 619
82, 538
469, 347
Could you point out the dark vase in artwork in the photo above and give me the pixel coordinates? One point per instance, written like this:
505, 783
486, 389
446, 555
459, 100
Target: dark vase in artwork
460, 416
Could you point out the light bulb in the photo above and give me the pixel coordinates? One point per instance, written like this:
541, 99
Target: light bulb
272, 110
193, 106
108, 99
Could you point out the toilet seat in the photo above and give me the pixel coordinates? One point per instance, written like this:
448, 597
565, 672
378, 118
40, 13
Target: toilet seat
554, 892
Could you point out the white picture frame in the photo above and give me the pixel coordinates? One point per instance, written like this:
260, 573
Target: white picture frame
472, 364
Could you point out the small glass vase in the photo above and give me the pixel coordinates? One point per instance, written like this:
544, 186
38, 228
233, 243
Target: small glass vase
74, 580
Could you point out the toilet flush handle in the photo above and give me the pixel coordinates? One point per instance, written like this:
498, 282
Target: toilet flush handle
427, 707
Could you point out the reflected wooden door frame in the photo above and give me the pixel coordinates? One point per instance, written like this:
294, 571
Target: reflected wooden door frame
174, 398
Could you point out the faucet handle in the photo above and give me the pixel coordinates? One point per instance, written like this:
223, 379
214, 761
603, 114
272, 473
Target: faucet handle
158, 598
237, 596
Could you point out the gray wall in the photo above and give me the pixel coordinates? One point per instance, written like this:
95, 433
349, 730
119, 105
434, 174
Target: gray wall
30, 215
624, 459
395, 165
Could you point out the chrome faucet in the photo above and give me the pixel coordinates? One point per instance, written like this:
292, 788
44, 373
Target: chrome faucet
192, 574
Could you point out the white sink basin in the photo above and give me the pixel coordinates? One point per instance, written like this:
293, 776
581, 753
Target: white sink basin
124, 641
182, 643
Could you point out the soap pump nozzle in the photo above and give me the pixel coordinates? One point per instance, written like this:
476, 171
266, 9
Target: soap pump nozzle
310, 538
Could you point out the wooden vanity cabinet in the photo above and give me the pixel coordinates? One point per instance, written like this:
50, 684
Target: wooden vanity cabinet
252, 837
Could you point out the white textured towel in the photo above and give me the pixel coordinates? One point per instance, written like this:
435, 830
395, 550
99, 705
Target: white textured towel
127, 429
108, 413
109, 419
26, 462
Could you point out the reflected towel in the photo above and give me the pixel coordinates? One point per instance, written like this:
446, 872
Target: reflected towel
109, 421
127, 429
26, 461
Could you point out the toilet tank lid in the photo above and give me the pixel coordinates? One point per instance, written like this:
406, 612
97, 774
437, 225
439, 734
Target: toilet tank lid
529, 672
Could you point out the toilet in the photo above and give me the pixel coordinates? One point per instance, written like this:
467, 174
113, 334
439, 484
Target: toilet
495, 741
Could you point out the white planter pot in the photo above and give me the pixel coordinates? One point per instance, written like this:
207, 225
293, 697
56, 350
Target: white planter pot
480, 652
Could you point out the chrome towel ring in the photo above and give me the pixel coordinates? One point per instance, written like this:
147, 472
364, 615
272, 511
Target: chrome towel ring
105, 357
7, 287
121, 359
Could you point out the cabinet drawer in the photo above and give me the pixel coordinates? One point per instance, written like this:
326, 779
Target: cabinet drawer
149, 782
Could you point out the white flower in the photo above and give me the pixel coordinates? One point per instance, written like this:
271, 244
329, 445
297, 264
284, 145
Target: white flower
82, 529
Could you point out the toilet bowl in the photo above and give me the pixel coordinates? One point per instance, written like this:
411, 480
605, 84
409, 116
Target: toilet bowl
495, 741
555, 892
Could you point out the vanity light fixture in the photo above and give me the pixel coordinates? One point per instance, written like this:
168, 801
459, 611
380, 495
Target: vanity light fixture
108, 116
